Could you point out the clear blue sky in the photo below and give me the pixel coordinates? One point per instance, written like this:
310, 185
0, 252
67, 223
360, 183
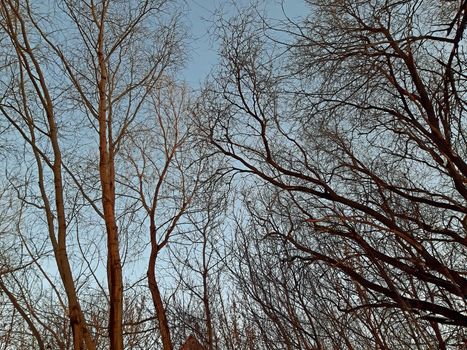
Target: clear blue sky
203, 56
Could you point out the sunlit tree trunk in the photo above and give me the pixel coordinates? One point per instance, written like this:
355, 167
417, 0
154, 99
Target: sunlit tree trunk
107, 177
15, 27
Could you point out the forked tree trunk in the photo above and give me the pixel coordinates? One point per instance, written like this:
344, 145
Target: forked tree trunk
15, 27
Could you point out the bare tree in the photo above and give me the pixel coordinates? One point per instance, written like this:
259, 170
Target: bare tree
32, 77
95, 62
199, 261
165, 176
356, 116
312, 198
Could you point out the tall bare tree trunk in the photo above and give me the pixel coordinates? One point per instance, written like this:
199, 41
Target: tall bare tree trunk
107, 178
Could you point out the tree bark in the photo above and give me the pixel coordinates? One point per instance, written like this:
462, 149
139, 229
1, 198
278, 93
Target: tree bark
107, 178
156, 295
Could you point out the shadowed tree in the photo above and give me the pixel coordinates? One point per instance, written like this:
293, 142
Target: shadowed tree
355, 115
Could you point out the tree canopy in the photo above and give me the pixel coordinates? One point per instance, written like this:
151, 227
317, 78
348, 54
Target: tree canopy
310, 195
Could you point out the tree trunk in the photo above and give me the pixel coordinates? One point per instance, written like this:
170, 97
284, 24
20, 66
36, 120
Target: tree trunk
156, 295
107, 178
